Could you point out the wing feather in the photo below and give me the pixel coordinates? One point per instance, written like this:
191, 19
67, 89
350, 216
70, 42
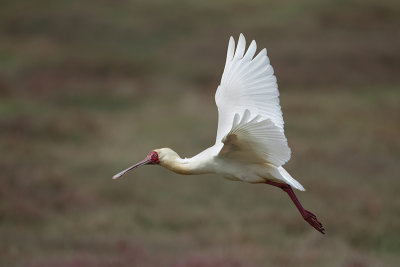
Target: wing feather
250, 52
247, 84
255, 140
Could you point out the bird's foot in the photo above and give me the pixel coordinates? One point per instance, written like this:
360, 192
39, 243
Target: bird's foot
313, 221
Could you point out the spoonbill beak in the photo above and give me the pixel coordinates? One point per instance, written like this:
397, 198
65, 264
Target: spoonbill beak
146, 161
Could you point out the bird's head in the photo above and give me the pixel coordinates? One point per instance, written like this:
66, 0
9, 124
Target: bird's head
157, 156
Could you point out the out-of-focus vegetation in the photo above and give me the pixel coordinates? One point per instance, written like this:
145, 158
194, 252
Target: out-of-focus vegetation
89, 87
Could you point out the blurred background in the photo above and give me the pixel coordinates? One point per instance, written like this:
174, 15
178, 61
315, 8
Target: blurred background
89, 87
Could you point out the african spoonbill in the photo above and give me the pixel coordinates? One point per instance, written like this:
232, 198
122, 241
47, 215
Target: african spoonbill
251, 145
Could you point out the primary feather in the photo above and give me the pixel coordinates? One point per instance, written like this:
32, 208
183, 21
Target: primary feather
247, 84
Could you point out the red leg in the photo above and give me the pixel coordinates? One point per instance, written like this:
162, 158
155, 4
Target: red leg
308, 216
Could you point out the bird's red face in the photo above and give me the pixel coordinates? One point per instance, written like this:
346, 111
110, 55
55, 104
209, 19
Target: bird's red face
152, 158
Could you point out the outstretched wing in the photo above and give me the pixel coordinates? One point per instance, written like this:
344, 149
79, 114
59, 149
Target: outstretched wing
255, 140
247, 83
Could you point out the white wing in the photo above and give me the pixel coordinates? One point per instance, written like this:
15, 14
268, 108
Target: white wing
258, 141
248, 86
247, 83
255, 140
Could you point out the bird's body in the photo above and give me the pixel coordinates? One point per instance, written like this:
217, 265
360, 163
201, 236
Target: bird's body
251, 145
208, 161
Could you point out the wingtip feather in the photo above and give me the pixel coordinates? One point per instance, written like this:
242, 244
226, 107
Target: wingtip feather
250, 51
240, 48
231, 49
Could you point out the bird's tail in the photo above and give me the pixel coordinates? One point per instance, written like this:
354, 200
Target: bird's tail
287, 178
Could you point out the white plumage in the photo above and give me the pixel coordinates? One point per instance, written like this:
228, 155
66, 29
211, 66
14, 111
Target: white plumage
250, 145
247, 83
250, 123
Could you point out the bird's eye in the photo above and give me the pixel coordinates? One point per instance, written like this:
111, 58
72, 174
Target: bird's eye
154, 157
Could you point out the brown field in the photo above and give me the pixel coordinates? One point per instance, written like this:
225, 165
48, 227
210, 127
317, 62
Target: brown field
88, 88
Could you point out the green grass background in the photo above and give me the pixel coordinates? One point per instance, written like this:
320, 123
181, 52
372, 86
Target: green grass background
89, 87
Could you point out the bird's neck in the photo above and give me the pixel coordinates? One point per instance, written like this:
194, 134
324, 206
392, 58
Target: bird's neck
187, 165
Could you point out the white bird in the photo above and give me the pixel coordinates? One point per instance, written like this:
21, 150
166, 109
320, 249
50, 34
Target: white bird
251, 145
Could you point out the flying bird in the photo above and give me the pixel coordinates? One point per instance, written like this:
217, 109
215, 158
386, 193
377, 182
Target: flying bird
251, 145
